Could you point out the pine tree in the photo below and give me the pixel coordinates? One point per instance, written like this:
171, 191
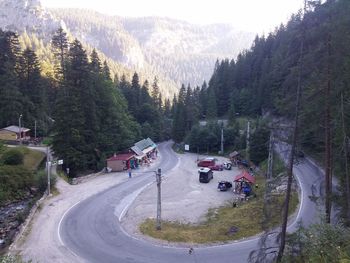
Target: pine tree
155, 93
60, 47
10, 97
211, 105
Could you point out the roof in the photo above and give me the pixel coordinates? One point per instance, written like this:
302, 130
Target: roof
234, 154
148, 149
121, 157
245, 176
136, 150
145, 143
15, 129
209, 159
204, 170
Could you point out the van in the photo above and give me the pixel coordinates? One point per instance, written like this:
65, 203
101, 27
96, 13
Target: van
206, 162
205, 175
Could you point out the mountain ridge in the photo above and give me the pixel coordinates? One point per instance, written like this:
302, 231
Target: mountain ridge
174, 50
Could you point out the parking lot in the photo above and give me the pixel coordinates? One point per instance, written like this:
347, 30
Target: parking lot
184, 198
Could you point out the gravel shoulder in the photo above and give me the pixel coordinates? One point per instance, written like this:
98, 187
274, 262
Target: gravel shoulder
41, 241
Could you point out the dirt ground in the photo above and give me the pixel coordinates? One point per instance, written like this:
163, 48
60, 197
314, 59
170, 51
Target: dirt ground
184, 198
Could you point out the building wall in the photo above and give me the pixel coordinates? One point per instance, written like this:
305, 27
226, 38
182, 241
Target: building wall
7, 135
116, 165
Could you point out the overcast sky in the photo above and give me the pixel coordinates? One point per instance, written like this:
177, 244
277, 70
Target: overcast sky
253, 15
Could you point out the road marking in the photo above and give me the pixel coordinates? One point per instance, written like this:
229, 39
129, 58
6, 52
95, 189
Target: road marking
59, 224
301, 201
129, 199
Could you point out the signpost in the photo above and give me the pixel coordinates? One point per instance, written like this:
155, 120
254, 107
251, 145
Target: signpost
48, 167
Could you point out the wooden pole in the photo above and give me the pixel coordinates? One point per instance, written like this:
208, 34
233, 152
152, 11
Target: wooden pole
293, 147
159, 201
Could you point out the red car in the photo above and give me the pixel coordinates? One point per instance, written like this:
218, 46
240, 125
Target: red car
216, 167
207, 162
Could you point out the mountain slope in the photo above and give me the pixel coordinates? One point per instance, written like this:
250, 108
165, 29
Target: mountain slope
175, 51
184, 52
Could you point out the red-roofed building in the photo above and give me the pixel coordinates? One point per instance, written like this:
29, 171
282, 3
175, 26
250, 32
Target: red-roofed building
120, 162
245, 177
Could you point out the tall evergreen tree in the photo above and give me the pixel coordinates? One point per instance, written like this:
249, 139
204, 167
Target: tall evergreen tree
60, 48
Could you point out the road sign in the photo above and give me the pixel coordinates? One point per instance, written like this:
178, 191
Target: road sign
187, 147
60, 162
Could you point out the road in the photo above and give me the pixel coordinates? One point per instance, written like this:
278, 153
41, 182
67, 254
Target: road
91, 228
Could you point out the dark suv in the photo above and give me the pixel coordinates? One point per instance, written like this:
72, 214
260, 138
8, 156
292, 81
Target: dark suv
205, 175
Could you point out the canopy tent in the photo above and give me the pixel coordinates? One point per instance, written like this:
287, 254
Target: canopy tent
233, 154
245, 177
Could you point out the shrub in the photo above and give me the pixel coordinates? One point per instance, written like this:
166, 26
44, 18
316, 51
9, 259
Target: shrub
12, 157
14, 182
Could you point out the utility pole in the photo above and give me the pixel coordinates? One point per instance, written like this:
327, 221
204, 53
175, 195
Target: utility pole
270, 158
247, 142
159, 204
222, 138
20, 129
48, 167
35, 130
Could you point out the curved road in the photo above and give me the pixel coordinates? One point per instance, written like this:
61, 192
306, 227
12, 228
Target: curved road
91, 229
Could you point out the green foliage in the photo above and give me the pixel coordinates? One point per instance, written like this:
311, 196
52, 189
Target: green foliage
12, 259
208, 138
14, 182
259, 144
2, 147
12, 157
319, 243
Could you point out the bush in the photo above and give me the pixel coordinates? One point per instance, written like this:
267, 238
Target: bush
13, 157
2, 147
14, 182
11, 259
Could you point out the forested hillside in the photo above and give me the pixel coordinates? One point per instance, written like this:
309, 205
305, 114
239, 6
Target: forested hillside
264, 79
174, 50
79, 105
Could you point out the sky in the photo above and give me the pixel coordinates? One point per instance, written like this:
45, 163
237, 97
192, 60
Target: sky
258, 16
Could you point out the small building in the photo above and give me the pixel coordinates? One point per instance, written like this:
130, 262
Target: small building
244, 182
234, 157
145, 150
121, 162
13, 133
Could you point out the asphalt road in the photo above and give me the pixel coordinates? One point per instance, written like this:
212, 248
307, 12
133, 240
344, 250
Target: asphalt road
92, 231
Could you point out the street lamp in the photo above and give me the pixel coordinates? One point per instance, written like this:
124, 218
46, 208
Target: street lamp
20, 129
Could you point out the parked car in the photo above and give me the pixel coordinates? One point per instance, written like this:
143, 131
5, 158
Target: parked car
209, 161
227, 165
224, 185
216, 167
205, 175
243, 163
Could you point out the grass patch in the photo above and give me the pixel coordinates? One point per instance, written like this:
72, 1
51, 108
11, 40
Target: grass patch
221, 222
32, 159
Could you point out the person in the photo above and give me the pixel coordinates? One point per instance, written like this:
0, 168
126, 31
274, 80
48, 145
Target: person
129, 172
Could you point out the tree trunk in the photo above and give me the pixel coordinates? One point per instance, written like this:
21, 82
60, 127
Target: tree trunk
293, 147
328, 143
347, 181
